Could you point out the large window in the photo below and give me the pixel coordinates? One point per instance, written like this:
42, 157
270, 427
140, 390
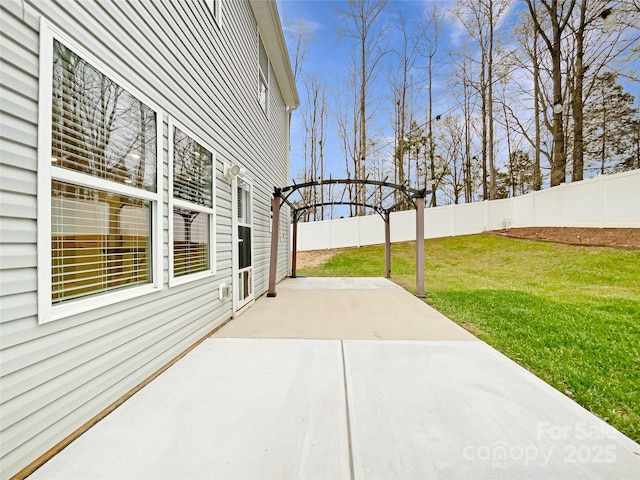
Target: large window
263, 80
192, 203
98, 178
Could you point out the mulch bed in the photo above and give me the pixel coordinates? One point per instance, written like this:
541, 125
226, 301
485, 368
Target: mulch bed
598, 237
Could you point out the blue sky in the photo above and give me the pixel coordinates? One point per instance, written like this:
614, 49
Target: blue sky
328, 58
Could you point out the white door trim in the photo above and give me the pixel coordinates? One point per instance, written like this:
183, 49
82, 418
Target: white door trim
239, 305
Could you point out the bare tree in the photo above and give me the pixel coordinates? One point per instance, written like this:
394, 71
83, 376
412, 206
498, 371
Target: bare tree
315, 126
451, 140
567, 48
430, 50
506, 122
480, 18
537, 95
314, 120
300, 37
345, 113
529, 61
403, 87
462, 82
360, 18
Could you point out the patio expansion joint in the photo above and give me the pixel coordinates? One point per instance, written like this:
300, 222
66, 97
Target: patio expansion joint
347, 415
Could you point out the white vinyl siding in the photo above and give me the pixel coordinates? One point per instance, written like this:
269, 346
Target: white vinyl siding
98, 175
56, 377
192, 206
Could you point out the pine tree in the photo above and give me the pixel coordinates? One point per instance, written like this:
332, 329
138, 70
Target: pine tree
610, 118
521, 173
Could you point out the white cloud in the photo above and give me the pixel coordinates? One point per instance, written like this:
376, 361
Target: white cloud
457, 33
295, 25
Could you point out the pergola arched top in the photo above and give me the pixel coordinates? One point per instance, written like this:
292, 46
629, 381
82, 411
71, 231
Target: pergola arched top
374, 201
297, 211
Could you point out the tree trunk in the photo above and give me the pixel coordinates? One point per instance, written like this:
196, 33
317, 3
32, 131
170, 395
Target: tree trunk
578, 101
468, 193
432, 163
509, 154
603, 156
537, 173
483, 94
492, 166
362, 192
559, 164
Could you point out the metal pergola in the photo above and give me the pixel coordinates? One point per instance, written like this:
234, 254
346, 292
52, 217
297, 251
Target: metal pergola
281, 196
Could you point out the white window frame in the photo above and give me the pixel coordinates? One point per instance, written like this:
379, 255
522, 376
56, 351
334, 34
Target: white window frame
263, 78
48, 312
177, 202
215, 7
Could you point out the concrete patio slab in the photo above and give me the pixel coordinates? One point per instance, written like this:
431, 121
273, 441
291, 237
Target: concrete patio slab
343, 308
439, 405
338, 283
463, 410
230, 409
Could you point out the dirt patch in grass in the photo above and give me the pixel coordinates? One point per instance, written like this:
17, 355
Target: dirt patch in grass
314, 258
598, 237
471, 328
592, 237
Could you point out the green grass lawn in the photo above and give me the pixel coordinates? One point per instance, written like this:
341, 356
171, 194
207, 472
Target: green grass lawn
569, 314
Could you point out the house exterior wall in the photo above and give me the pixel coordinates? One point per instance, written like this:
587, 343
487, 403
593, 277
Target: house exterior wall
56, 376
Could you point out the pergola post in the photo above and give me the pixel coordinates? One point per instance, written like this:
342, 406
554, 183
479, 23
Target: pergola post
275, 227
420, 246
387, 244
294, 247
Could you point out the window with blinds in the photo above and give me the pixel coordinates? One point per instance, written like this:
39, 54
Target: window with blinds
263, 80
99, 241
99, 128
192, 204
102, 173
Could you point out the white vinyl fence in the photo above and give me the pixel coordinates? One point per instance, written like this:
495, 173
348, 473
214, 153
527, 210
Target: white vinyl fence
604, 201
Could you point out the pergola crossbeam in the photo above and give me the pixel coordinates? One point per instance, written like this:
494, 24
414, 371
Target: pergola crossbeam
298, 210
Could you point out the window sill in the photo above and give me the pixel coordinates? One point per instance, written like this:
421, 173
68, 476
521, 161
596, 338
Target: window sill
176, 281
58, 312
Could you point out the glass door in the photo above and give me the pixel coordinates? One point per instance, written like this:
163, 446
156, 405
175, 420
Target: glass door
244, 238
